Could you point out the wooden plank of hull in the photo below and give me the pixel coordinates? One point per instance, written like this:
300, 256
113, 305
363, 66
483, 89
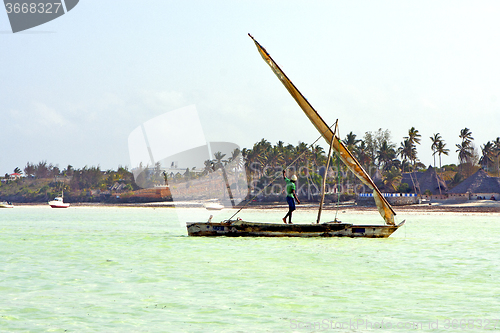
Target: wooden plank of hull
254, 229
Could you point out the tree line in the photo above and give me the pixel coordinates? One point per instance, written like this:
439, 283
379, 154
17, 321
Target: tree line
376, 152
43, 181
378, 155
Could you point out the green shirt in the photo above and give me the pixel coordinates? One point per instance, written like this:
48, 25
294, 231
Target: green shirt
290, 186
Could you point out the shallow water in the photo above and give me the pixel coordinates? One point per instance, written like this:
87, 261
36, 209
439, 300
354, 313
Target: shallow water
134, 269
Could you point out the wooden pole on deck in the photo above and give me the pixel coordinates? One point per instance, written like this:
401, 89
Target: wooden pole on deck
326, 172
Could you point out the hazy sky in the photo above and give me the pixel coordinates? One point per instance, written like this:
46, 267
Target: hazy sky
73, 89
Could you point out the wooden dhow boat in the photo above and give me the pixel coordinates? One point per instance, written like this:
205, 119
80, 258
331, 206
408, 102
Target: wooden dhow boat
238, 227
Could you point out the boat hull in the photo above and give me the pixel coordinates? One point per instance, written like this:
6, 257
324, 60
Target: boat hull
214, 207
255, 229
59, 205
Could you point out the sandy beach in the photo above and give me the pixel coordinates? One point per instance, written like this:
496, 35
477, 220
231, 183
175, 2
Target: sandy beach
473, 206
477, 206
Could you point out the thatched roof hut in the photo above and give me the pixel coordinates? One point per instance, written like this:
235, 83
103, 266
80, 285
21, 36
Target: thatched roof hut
478, 183
423, 181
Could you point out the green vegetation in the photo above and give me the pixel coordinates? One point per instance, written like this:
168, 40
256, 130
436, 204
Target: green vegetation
44, 181
378, 155
384, 161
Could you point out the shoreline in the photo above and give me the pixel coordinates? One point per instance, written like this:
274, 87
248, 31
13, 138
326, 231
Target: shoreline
476, 206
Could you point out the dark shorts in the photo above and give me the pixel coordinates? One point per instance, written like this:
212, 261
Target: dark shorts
291, 203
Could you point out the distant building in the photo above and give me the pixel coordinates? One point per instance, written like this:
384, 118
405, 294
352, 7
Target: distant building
478, 186
14, 176
423, 181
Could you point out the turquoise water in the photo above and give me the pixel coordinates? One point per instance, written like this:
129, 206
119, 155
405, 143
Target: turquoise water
135, 270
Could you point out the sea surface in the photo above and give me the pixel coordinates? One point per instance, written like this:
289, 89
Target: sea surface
87, 269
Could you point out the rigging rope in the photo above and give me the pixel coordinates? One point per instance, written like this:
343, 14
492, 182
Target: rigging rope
338, 179
338, 182
305, 151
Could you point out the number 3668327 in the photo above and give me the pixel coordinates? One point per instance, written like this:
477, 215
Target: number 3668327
32, 8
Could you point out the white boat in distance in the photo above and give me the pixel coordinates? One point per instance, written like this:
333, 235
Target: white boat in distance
214, 205
6, 204
58, 202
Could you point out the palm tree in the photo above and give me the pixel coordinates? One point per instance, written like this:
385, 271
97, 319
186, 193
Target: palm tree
237, 165
29, 169
441, 150
302, 153
497, 143
249, 160
252, 160
317, 155
209, 167
487, 154
290, 153
392, 178
362, 154
465, 135
165, 178
413, 136
464, 152
497, 154
405, 165
234, 155
69, 170
219, 163
351, 142
407, 151
386, 154
260, 152
274, 157
436, 138
414, 139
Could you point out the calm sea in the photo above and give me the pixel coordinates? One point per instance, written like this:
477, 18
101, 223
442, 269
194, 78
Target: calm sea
135, 270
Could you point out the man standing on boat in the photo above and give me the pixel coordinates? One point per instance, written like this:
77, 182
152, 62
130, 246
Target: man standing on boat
290, 196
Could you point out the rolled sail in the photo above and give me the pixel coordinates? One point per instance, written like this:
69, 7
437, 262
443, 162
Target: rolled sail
345, 155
